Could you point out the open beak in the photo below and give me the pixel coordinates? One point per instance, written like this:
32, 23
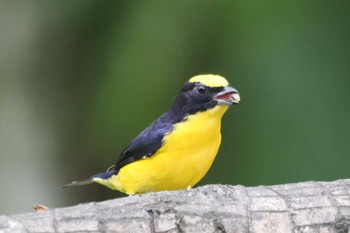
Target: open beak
228, 96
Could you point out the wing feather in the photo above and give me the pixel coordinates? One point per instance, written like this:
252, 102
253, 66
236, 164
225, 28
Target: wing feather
146, 143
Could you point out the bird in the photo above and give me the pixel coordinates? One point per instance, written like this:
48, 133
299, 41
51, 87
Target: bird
177, 149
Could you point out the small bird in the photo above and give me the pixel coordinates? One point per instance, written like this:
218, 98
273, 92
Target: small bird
176, 150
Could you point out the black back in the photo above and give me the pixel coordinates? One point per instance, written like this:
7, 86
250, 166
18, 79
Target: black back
189, 101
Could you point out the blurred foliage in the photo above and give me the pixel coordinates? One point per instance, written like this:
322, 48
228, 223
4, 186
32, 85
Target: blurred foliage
80, 79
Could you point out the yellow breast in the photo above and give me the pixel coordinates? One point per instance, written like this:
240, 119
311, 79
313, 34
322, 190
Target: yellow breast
183, 160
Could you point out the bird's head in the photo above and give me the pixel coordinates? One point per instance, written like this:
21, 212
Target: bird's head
203, 92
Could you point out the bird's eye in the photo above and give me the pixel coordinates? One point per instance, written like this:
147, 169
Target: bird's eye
201, 90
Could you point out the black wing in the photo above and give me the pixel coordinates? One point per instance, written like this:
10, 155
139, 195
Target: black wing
146, 143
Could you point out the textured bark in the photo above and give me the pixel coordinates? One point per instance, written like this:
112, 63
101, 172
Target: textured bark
302, 207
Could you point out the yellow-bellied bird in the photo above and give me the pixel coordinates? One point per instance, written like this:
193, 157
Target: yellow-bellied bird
177, 149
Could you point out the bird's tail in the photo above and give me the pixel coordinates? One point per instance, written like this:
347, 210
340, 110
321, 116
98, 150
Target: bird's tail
78, 183
103, 175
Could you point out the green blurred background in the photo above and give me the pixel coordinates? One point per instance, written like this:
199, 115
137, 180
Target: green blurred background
79, 79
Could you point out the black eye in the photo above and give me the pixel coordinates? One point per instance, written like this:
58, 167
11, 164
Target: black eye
201, 90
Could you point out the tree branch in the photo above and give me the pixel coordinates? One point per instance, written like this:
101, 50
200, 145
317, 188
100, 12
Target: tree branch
302, 207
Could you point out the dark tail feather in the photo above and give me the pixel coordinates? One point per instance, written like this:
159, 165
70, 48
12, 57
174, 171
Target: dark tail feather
103, 175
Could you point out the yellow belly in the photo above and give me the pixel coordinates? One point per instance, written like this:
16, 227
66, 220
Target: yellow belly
183, 160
